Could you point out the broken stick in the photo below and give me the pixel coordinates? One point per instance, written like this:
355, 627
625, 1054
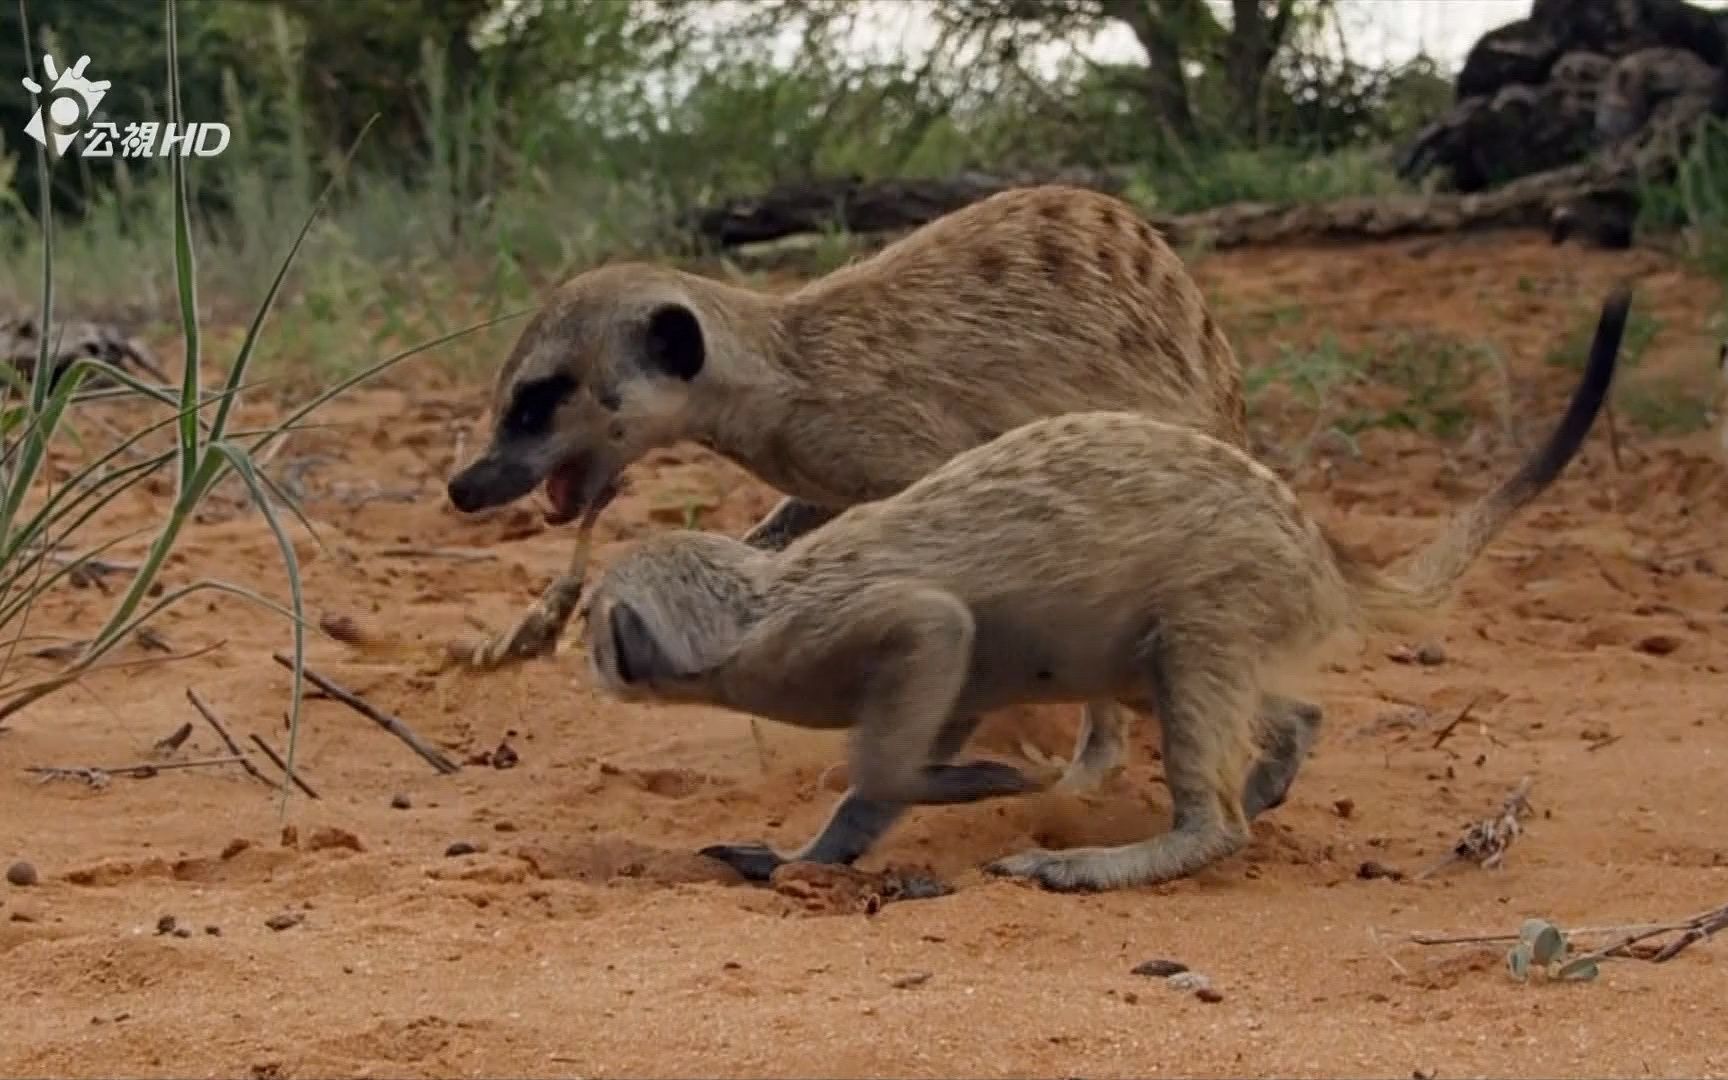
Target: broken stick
376, 715
1486, 841
276, 759
209, 716
535, 634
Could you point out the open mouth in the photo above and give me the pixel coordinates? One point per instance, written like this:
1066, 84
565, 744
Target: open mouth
571, 492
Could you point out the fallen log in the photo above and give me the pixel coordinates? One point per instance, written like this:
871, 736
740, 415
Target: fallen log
855, 205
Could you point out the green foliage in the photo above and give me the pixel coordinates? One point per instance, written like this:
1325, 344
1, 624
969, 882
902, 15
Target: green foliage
1696, 200
1573, 349
1428, 376
43, 523
1543, 948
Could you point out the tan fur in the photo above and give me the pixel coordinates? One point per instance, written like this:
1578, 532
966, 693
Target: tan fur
1097, 556
1033, 302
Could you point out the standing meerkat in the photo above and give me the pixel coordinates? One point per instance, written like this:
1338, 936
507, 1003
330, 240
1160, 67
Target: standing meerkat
1093, 556
1031, 303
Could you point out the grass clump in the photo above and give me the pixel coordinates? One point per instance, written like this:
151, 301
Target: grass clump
42, 521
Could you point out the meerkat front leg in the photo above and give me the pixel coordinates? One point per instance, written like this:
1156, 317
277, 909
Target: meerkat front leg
1291, 727
787, 522
1205, 701
851, 830
904, 729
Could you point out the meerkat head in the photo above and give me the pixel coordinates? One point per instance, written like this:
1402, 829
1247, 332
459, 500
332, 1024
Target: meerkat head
600, 376
661, 619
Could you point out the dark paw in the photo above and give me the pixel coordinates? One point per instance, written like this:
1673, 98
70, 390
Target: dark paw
755, 862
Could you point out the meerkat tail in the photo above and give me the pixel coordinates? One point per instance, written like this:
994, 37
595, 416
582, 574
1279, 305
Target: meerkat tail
1426, 581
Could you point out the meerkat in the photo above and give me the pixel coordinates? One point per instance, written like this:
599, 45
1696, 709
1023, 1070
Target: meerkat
1096, 556
1030, 303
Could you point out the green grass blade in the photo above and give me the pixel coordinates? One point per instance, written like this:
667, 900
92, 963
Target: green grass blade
18, 699
242, 464
185, 269
243, 358
343, 385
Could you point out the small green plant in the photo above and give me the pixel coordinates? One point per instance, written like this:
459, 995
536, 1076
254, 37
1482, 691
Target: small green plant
1572, 350
1541, 947
1664, 406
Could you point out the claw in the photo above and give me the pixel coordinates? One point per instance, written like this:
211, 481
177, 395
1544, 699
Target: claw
755, 862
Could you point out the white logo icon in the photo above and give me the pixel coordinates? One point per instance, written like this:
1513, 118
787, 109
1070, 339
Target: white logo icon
70, 101
63, 117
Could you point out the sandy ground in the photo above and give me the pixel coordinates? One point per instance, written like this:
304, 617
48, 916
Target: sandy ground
583, 937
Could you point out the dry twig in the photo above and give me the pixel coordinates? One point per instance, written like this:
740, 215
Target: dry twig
276, 759
97, 775
209, 716
1690, 931
1486, 842
376, 715
173, 740
1463, 714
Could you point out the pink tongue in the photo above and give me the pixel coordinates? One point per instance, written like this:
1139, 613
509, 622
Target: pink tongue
558, 491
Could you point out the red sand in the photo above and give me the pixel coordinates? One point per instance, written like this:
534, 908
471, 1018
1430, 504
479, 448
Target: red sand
584, 938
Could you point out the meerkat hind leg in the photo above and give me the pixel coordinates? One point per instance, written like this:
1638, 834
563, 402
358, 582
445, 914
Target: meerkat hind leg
1100, 748
852, 828
1205, 706
788, 521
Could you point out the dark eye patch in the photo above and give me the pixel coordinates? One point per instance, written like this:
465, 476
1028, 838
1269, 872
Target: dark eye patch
534, 403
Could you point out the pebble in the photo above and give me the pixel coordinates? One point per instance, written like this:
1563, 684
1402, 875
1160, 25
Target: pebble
1160, 969
21, 874
460, 847
400, 802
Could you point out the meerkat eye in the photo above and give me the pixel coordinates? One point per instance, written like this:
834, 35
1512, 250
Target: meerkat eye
534, 403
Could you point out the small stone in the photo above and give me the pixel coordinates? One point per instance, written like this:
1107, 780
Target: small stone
165, 925
400, 801
290, 836
213, 931
182, 932
1189, 981
907, 982
1160, 969
285, 920
327, 837
21, 874
1372, 871
1131, 998
1209, 995
1430, 655
235, 847
1659, 644
460, 847
1344, 807
505, 757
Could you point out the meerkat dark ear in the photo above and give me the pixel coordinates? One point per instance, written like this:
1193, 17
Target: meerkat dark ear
638, 653
674, 342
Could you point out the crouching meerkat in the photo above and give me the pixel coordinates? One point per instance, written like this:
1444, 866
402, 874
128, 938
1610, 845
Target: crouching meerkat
1097, 556
1030, 303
